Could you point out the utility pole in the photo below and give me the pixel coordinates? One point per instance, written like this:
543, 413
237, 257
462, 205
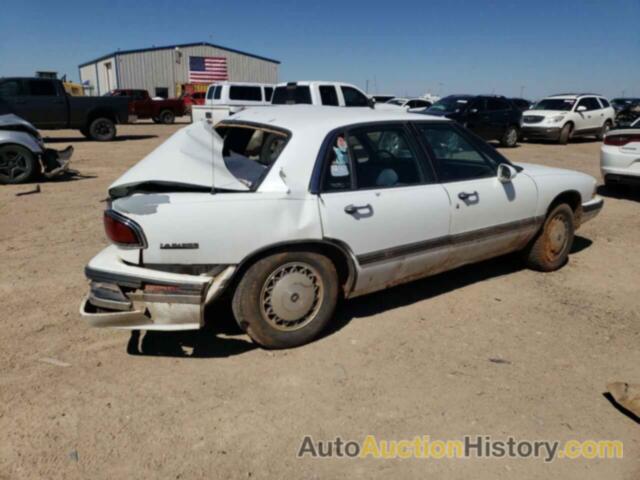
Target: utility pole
521, 91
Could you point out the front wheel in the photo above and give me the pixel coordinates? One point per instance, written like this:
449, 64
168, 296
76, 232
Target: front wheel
102, 129
286, 299
565, 134
510, 137
603, 131
17, 164
550, 249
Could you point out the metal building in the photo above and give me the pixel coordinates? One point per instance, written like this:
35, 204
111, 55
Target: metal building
164, 71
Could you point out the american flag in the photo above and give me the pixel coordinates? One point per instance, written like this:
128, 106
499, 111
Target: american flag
207, 69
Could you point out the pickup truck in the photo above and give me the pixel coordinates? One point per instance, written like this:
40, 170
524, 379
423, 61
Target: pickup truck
160, 111
227, 98
334, 94
45, 103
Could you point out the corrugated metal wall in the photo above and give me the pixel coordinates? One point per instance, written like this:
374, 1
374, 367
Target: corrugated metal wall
88, 73
166, 68
101, 78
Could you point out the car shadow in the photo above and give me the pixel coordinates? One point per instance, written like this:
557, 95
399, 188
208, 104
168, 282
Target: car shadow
119, 138
620, 192
221, 337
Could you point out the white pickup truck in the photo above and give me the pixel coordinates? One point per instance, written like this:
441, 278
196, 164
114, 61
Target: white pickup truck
226, 98
318, 93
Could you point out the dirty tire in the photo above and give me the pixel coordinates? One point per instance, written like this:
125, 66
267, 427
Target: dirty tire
510, 137
167, 117
17, 164
102, 129
286, 299
565, 134
550, 249
603, 131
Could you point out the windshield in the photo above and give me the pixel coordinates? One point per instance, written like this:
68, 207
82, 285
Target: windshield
561, 104
449, 104
249, 152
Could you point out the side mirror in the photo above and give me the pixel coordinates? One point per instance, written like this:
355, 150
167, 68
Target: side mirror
371, 102
581, 108
506, 173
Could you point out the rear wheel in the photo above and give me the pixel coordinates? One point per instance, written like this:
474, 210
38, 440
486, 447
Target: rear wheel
565, 134
102, 129
167, 117
510, 137
550, 249
17, 164
286, 299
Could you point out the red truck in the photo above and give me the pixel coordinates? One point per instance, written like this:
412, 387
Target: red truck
161, 111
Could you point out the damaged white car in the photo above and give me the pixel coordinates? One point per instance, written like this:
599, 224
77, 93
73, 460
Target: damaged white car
23, 156
288, 209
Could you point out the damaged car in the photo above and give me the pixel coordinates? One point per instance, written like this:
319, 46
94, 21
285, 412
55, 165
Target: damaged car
23, 155
289, 209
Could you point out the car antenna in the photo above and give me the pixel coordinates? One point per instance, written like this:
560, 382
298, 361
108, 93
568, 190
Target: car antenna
213, 160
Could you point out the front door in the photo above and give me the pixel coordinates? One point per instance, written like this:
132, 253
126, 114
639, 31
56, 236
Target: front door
47, 105
488, 217
591, 118
379, 197
477, 118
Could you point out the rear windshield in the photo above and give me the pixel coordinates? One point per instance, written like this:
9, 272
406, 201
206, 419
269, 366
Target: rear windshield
291, 95
250, 151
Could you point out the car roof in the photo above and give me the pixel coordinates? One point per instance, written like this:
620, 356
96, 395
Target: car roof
300, 117
308, 83
574, 95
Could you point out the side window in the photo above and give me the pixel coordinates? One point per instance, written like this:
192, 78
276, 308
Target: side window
291, 95
328, 95
217, 92
237, 92
478, 104
268, 93
162, 92
604, 102
210, 92
354, 98
456, 158
494, 104
590, 102
41, 88
11, 88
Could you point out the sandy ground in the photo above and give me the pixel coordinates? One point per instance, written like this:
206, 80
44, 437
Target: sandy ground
414, 360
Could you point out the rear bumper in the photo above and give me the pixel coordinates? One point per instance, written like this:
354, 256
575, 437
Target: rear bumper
591, 209
540, 133
131, 297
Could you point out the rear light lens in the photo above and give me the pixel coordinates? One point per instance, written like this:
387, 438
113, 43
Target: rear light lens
620, 140
123, 231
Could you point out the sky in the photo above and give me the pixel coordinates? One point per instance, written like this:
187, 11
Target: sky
402, 47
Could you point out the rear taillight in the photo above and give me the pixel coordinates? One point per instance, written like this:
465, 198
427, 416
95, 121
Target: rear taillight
621, 139
123, 231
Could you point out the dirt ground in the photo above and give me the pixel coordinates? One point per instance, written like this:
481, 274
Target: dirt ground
491, 349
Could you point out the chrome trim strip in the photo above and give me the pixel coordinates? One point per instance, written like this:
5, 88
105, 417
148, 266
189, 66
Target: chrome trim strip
447, 240
137, 282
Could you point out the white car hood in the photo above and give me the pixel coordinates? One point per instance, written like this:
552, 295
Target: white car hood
536, 170
190, 157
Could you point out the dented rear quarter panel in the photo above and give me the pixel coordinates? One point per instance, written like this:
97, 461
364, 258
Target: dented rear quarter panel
226, 226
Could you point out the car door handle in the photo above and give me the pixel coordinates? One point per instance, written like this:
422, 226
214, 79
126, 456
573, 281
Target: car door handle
467, 195
351, 209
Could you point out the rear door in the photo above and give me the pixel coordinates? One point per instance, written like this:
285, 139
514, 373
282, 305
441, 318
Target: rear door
488, 217
498, 114
477, 118
379, 197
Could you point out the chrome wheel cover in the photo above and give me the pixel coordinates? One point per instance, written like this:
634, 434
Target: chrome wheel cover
291, 296
557, 236
12, 163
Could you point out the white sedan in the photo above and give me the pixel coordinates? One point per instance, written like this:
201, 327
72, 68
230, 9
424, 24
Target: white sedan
287, 209
620, 156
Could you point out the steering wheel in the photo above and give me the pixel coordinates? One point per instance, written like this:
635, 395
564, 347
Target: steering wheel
385, 152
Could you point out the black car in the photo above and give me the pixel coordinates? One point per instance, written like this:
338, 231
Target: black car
521, 103
488, 116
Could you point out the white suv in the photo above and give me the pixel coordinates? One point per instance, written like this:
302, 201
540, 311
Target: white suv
562, 117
